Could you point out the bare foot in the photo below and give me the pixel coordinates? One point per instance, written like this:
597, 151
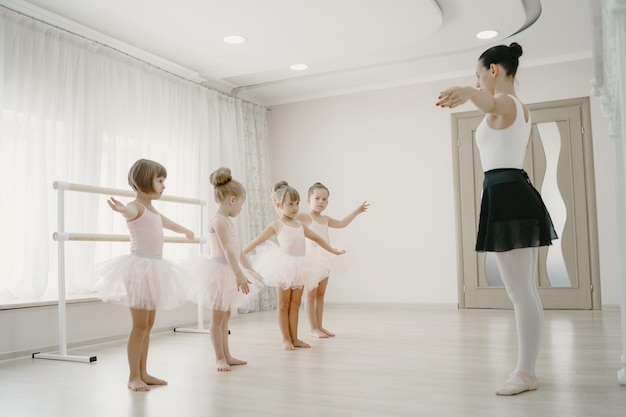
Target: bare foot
300, 344
287, 345
151, 380
318, 333
222, 365
137, 384
234, 361
328, 332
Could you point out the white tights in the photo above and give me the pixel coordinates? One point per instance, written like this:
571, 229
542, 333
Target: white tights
517, 268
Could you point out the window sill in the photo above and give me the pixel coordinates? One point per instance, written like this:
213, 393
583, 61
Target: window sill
24, 303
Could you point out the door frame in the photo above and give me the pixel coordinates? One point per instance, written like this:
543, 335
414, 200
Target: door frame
585, 113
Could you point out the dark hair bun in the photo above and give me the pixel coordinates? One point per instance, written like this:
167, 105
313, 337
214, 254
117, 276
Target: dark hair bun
516, 49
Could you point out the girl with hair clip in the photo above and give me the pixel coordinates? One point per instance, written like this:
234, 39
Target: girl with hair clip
224, 278
287, 267
142, 280
318, 201
514, 221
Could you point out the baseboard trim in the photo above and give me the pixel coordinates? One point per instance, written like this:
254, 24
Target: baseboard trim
369, 305
375, 305
82, 343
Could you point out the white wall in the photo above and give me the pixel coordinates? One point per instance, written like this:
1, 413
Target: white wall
393, 148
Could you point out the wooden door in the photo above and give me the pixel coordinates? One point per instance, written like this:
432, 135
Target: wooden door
559, 162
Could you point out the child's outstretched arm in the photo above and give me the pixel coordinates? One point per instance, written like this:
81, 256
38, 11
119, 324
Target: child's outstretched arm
262, 237
221, 227
130, 211
175, 227
340, 224
310, 234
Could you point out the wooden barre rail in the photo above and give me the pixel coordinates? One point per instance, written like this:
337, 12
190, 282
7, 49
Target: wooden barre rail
61, 236
61, 185
100, 237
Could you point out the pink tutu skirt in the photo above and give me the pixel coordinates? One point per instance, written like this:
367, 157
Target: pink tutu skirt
280, 269
214, 284
144, 282
330, 263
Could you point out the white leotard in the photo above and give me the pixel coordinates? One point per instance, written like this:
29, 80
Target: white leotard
504, 148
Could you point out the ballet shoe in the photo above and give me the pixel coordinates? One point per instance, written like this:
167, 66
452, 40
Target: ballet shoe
517, 383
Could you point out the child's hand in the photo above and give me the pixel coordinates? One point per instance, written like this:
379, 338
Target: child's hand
242, 284
339, 251
255, 275
363, 207
116, 205
189, 234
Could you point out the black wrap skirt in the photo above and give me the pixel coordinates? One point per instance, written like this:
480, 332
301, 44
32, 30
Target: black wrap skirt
512, 213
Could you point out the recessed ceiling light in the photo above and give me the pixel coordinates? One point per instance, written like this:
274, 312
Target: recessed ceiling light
298, 67
487, 34
234, 39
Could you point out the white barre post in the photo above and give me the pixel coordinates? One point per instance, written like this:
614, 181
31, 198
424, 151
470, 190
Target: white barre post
200, 328
200, 321
62, 324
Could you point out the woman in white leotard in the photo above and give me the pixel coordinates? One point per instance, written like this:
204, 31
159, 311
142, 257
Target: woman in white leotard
513, 219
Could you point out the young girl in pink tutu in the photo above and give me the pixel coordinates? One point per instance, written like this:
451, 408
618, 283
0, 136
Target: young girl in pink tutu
222, 279
287, 267
319, 223
142, 280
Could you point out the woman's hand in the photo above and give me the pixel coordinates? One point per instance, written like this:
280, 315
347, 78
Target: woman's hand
455, 96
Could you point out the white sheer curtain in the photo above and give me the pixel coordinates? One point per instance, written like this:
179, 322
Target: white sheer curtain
77, 111
609, 21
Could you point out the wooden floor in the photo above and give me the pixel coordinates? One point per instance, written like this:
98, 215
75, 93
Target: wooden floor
383, 362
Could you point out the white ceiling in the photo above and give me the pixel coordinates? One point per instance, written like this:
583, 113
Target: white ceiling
349, 45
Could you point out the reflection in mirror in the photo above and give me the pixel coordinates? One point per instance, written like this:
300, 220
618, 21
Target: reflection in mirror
494, 279
555, 264
550, 140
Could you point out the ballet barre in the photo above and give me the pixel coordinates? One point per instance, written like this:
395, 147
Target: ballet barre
62, 186
61, 236
95, 237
